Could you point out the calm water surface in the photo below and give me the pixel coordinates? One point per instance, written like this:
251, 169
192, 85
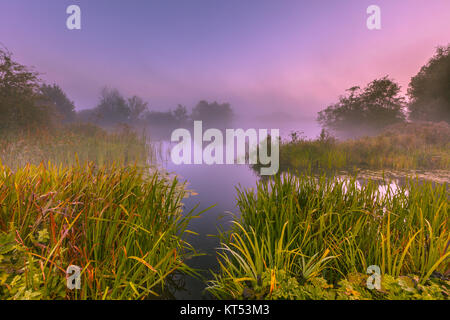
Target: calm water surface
216, 185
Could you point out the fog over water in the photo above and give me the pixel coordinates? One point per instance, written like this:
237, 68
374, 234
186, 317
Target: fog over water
216, 185
309, 128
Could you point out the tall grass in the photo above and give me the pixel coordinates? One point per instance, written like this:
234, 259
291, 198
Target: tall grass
406, 146
306, 227
122, 225
79, 195
72, 143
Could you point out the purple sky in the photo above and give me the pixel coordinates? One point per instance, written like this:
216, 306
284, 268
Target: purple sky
295, 56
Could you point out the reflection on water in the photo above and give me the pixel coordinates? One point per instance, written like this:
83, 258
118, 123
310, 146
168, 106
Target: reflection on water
438, 176
213, 185
216, 185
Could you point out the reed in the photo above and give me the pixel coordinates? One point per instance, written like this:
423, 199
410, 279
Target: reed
123, 225
402, 147
305, 228
74, 143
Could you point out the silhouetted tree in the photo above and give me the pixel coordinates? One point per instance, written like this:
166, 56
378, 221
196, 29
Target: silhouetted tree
58, 100
20, 99
365, 111
113, 107
181, 115
429, 90
213, 114
137, 106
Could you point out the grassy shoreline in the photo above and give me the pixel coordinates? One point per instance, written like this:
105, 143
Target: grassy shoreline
73, 144
81, 196
121, 225
308, 238
408, 146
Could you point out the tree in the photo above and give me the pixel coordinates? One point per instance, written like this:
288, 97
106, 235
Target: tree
429, 90
56, 98
20, 99
112, 108
180, 114
137, 107
214, 114
365, 111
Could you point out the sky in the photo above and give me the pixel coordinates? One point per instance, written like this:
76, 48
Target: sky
261, 56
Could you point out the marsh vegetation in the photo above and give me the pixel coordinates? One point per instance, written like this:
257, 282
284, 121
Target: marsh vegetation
302, 237
104, 210
75, 193
406, 146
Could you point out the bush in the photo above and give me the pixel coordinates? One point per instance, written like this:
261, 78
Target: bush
299, 237
123, 227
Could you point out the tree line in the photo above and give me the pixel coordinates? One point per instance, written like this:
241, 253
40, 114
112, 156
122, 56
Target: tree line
114, 108
380, 104
26, 103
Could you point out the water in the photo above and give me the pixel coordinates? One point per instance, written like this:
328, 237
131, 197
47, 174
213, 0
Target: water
213, 185
216, 185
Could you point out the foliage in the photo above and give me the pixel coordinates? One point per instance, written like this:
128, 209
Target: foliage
429, 90
180, 114
20, 100
55, 97
74, 143
112, 108
21, 273
354, 288
407, 146
122, 225
137, 106
378, 105
213, 114
295, 230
